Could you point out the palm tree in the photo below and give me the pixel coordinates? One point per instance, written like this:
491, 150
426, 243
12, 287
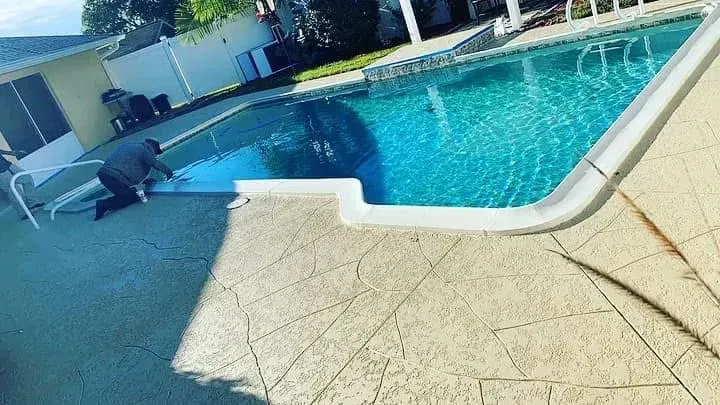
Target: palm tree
196, 19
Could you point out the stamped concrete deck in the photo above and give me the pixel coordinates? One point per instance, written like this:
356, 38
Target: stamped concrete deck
181, 301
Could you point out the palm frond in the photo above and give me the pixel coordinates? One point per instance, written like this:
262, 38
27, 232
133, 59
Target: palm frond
197, 19
679, 325
665, 242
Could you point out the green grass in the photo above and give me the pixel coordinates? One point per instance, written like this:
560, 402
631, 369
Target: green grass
287, 78
358, 62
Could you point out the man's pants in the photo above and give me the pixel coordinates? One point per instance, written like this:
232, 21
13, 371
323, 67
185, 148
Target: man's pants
24, 185
123, 195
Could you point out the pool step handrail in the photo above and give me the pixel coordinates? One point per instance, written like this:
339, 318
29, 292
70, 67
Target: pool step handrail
67, 196
593, 8
603, 50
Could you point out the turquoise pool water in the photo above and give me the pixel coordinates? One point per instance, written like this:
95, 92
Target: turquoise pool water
484, 135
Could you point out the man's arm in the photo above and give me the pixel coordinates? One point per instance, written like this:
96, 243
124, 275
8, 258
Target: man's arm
17, 154
163, 168
152, 161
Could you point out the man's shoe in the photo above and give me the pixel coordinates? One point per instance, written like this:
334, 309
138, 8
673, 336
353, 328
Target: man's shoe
100, 210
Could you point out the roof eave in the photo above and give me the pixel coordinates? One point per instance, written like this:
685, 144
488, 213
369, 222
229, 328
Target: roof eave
29, 62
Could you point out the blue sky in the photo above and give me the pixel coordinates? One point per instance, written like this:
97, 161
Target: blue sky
39, 17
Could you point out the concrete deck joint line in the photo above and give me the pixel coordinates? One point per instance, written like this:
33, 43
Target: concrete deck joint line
148, 350
82, 387
415, 287
402, 344
707, 289
224, 366
658, 252
627, 321
295, 284
693, 344
206, 262
315, 258
287, 370
480, 379
283, 326
368, 284
382, 380
252, 349
417, 240
302, 226
600, 311
485, 324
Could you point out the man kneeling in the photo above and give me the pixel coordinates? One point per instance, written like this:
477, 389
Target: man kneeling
127, 167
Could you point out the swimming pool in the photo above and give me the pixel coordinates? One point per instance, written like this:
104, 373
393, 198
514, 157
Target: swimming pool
495, 134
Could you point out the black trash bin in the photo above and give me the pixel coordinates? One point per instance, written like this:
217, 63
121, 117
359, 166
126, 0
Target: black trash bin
161, 103
141, 108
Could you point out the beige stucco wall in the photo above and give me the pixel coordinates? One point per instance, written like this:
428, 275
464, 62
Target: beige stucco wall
77, 82
4, 146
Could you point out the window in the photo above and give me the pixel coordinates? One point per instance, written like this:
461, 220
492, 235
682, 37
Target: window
42, 106
30, 118
15, 124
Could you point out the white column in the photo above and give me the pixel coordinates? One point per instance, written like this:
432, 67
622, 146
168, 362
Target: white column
513, 7
410, 21
593, 8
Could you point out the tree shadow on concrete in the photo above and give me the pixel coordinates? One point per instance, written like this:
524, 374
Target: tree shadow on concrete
99, 312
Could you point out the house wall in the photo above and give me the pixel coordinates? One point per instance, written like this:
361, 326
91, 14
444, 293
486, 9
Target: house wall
76, 82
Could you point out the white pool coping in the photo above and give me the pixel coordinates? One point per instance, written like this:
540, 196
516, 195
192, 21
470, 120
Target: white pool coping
642, 119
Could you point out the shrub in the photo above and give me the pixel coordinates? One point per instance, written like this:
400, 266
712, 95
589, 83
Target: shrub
328, 30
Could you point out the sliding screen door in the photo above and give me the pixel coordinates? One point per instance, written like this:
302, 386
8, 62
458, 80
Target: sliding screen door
42, 106
15, 124
32, 121
30, 118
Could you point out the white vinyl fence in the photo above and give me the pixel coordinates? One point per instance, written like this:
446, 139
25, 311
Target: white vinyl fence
185, 71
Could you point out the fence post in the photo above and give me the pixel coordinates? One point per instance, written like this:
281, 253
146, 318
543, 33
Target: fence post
177, 69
